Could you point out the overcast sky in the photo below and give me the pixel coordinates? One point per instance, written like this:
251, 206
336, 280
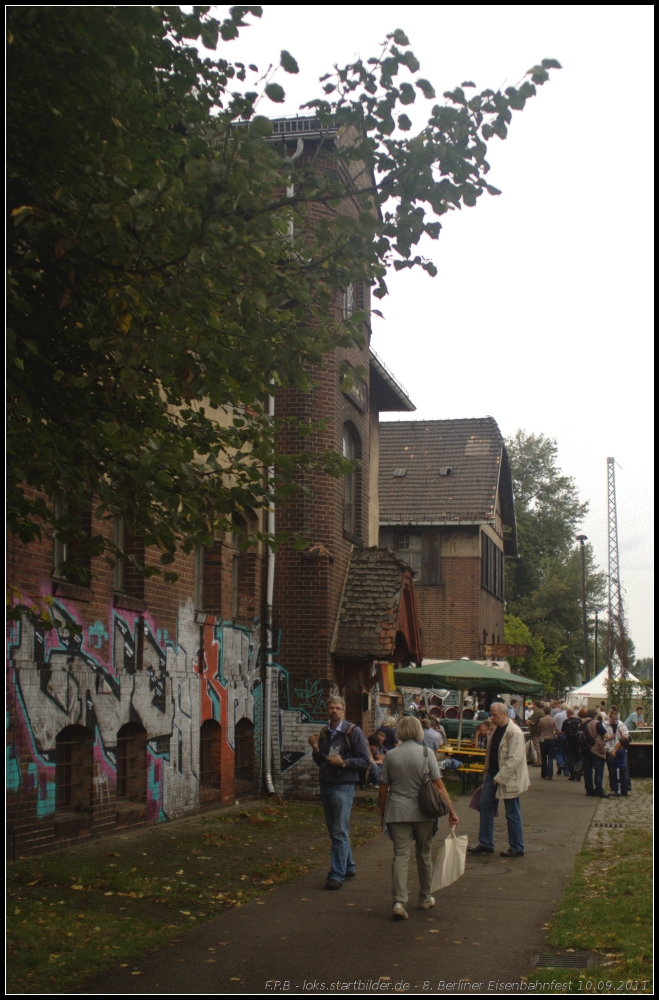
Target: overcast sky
541, 312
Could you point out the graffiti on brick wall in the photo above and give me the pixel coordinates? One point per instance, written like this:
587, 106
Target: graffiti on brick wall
129, 670
311, 699
228, 666
126, 672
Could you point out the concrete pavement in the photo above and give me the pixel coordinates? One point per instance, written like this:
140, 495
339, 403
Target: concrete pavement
486, 926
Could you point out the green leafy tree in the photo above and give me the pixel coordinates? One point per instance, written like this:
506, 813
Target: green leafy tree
644, 668
165, 271
539, 665
543, 587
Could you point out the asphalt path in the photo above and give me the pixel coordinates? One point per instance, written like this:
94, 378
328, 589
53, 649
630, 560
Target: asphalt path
484, 930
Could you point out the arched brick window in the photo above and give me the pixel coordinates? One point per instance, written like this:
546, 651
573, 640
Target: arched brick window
74, 770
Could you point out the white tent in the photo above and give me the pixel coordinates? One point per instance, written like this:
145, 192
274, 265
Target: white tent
589, 695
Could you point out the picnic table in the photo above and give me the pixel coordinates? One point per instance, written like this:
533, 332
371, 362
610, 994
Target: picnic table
472, 773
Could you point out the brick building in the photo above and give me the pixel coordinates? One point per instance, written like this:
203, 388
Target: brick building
156, 707
446, 507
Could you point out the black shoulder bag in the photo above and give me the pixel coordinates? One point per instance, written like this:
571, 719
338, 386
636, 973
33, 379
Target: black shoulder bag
431, 802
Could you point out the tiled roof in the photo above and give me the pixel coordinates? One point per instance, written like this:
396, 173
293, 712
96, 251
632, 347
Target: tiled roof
368, 615
412, 489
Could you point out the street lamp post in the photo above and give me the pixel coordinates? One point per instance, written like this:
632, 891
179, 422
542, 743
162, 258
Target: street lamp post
595, 664
584, 620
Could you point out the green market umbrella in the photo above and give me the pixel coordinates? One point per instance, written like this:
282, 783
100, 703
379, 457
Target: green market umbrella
460, 675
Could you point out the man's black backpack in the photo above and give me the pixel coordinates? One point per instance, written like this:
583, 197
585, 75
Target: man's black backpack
324, 734
586, 741
572, 730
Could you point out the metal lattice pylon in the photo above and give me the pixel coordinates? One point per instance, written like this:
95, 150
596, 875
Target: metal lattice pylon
618, 651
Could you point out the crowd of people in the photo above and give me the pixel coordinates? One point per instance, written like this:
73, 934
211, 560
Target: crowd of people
579, 743
403, 754
583, 743
384, 739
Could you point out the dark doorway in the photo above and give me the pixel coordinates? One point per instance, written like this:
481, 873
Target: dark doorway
354, 707
74, 770
245, 759
131, 763
210, 760
401, 650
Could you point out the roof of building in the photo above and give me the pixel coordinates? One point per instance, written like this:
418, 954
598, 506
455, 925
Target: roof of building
369, 611
301, 125
386, 391
445, 472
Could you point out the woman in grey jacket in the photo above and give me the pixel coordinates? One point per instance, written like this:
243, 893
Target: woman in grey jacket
402, 819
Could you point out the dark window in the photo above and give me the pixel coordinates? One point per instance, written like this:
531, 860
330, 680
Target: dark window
73, 552
492, 562
212, 582
238, 564
60, 547
133, 564
363, 298
430, 559
74, 769
245, 759
199, 577
131, 763
210, 755
118, 580
235, 586
349, 452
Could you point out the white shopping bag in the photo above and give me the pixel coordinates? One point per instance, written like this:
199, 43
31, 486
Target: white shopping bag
450, 864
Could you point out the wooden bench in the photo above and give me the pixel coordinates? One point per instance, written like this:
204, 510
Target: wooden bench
472, 776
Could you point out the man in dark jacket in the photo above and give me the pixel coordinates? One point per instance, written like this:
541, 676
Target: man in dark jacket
340, 750
594, 756
538, 713
570, 730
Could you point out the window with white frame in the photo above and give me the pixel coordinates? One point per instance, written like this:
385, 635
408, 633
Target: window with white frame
348, 301
410, 549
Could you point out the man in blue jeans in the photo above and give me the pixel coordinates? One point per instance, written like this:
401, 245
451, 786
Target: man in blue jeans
505, 776
340, 750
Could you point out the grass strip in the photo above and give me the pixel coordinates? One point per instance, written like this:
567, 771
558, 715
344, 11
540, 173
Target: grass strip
69, 915
607, 909
53, 948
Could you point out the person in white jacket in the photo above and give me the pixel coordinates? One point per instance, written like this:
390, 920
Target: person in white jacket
505, 777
